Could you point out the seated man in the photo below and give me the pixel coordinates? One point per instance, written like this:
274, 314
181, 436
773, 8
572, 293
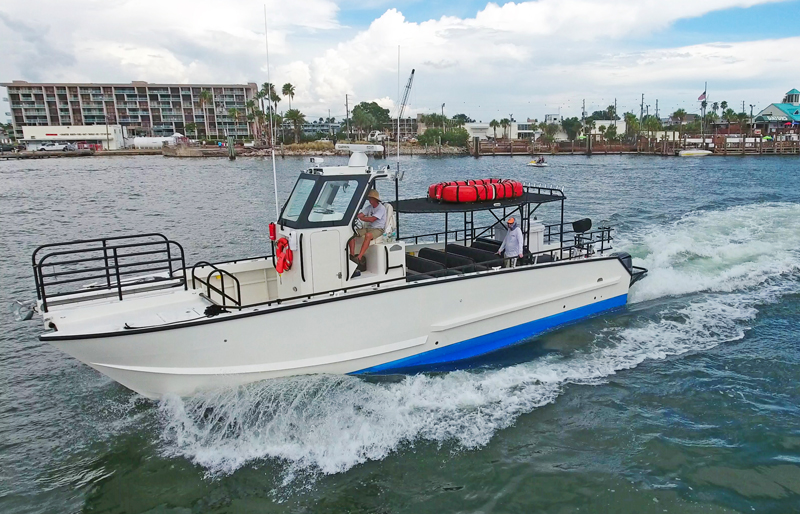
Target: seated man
374, 218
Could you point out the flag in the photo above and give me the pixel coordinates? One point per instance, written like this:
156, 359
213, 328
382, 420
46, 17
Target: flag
701, 97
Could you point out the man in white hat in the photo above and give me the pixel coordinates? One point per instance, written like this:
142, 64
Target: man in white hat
374, 218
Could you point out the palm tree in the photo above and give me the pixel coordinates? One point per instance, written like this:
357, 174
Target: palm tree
191, 128
297, 118
494, 124
602, 130
204, 99
679, 115
288, 90
505, 123
631, 124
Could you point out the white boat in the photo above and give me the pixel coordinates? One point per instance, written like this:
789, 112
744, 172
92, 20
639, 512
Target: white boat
130, 307
694, 152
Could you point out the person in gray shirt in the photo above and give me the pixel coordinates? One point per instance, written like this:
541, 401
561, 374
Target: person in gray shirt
512, 244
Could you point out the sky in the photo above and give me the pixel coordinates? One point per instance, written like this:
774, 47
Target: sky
489, 60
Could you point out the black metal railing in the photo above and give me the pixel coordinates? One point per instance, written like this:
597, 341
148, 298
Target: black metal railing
236, 301
97, 265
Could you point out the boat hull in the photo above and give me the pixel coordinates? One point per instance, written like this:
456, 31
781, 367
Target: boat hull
385, 330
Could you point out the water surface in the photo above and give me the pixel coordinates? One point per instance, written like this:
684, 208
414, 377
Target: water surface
685, 401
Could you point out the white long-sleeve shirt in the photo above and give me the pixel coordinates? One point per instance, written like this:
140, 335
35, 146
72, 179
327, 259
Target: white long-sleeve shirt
512, 243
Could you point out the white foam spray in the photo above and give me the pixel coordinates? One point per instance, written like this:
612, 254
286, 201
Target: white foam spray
732, 260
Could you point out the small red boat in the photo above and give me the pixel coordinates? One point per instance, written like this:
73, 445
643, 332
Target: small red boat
467, 191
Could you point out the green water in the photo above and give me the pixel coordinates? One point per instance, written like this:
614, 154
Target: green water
685, 401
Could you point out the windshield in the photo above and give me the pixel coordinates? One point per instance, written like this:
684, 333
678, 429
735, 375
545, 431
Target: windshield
333, 200
299, 197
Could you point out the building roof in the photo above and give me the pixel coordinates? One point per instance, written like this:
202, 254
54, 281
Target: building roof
791, 110
793, 92
135, 83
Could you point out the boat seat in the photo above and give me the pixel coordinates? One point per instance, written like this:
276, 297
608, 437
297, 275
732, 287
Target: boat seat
417, 276
545, 257
420, 265
464, 264
477, 255
444, 273
484, 243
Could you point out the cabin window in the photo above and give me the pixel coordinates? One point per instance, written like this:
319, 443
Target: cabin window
298, 199
333, 200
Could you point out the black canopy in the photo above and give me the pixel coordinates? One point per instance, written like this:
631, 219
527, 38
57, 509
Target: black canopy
426, 205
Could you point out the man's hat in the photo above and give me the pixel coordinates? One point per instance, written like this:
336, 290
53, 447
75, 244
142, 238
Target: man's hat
511, 221
374, 194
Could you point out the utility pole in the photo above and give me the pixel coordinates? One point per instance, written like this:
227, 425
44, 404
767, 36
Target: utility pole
443, 118
615, 112
330, 124
347, 110
641, 116
656, 107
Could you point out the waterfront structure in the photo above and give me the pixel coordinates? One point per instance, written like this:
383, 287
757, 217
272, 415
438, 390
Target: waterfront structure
143, 108
311, 128
95, 137
408, 127
781, 116
482, 130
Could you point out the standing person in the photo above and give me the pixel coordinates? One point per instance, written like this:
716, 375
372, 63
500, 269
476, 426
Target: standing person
512, 244
374, 218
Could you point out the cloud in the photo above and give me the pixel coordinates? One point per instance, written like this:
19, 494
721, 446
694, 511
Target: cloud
524, 58
33, 52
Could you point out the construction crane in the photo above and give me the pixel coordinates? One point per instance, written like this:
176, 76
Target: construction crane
400, 111
407, 92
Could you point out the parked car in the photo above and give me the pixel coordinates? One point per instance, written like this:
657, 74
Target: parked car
377, 136
7, 147
58, 147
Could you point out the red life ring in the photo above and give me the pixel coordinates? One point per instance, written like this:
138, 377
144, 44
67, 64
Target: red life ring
468, 191
284, 255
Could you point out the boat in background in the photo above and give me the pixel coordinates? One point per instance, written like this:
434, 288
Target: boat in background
694, 152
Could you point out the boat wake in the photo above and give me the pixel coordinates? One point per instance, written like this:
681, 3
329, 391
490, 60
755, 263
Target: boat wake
721, 265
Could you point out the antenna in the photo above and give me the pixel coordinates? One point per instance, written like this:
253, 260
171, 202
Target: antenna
271, 119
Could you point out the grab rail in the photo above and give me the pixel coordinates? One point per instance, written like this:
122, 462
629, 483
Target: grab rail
107, 260
237, 301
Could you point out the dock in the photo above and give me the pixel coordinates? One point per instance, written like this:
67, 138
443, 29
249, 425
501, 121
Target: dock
7, 156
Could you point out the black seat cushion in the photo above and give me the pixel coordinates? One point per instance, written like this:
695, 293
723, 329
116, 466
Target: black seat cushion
545, 257
484, 243
421, 265
417, 276
445, 273
482, 256
463, 264
581, 225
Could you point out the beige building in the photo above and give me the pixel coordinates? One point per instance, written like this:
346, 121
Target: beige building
143, 108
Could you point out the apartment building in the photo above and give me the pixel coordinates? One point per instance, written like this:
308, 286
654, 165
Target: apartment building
143, 108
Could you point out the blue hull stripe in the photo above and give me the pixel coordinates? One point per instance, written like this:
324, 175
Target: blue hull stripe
495, 340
